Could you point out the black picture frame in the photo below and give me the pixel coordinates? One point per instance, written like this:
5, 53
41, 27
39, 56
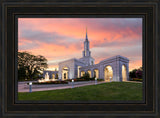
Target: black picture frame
12, 9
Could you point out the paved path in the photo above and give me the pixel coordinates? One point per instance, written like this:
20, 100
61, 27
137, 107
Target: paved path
23, 87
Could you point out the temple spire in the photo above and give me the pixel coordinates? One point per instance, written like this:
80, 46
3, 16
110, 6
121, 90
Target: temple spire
86, 52
86, 34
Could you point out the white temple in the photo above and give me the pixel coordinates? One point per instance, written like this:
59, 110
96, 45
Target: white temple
116, 67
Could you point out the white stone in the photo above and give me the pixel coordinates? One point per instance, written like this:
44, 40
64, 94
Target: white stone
68, 69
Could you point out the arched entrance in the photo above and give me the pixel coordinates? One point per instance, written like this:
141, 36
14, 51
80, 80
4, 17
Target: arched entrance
82, 73
78, 71
65, 73
89, 72
56, 76
108, 72
124, 73
53, 76
96, 73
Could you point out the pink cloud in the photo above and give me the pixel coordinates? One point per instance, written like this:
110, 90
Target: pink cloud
101, 33
51, 51
135, 64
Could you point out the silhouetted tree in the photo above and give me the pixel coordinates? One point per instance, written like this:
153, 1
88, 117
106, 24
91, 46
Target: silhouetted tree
30, 66
139, 73
132, 74
136, 73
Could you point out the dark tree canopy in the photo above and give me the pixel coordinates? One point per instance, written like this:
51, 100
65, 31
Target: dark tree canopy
136, 73
30, 66
139, 73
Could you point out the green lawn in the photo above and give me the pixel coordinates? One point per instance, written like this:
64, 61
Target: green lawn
105, 91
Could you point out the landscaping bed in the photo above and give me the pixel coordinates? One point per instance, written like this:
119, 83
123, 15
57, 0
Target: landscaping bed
136, 79
83, 79
50, 82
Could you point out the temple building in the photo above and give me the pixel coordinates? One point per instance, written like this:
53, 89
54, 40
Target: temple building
115, 68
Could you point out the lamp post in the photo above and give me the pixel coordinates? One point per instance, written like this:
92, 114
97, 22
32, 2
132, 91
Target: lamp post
30, 87
110, 79
72, 83
118, 79
95, 81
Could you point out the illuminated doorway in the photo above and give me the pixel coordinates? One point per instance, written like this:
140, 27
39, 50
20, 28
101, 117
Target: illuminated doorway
89, 72
108, 72
96, 73
78, 71
82, 73
56, 76
65, 73
53, 76
124, 73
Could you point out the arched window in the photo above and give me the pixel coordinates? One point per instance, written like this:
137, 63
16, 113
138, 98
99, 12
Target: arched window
65, 73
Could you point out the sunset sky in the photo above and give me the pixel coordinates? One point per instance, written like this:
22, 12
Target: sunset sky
59, 39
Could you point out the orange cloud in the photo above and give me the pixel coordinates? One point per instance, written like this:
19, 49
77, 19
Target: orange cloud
101, 33
135, 64
51, 51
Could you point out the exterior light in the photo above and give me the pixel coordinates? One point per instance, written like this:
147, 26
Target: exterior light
95, 81
30, 87
110, 79
118, 78
72, 83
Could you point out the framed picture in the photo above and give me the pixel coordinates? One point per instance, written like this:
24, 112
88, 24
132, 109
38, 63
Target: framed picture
98, 60
79, 59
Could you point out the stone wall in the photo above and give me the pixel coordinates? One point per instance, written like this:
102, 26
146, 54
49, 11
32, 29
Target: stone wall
72, 65
50, 73
115, 62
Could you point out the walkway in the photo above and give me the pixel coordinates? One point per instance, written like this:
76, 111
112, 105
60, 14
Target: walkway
23, 87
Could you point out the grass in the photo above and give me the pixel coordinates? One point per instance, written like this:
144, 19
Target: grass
105, 91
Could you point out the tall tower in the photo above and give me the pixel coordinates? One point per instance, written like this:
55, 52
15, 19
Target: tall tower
86, 52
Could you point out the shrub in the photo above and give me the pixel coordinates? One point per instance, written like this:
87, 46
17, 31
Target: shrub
86, 76
136, 73
51, 82
77, 80
81, 80
100, 79
132, 74
139, 73
136, 79
93, 78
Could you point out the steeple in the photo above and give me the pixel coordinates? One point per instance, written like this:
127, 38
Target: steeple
86, 34
86, 52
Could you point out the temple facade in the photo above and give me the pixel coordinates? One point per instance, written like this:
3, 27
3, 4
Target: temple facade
115, 68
